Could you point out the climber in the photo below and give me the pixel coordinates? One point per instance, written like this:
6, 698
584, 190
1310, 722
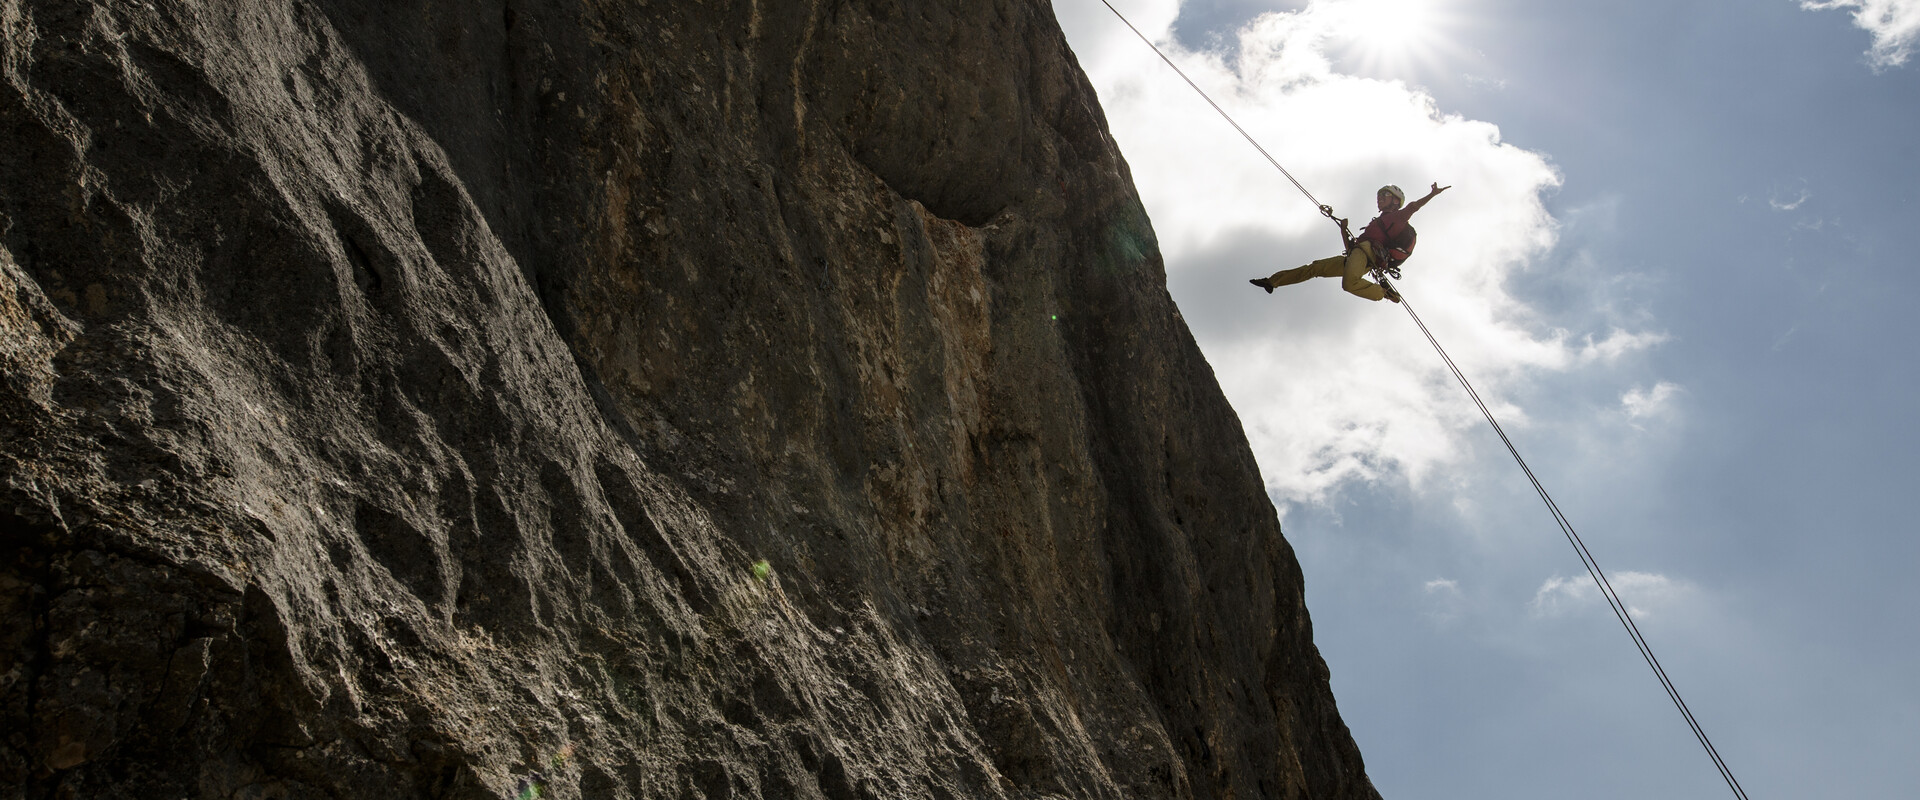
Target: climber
1385, 242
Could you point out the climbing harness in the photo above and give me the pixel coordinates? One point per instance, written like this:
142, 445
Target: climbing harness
1396, 244
1382, 273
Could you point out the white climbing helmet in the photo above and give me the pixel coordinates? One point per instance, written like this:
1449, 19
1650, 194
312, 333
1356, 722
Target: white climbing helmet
1399, 196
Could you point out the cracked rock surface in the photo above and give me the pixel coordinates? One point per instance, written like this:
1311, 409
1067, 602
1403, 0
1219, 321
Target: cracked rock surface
613, 399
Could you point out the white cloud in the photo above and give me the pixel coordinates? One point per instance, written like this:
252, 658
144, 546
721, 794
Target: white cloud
1643, 403
1332, 389
1618, 343
1443, 600
1642, 592
1492, 84
1789, 205
1895, 25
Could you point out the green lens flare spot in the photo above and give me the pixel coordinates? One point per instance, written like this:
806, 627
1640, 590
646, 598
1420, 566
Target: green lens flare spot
761, 569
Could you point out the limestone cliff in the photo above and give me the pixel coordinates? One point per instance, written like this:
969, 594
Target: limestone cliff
620, 398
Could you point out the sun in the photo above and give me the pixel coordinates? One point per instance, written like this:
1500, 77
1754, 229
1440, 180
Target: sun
1395, 24
1393, 35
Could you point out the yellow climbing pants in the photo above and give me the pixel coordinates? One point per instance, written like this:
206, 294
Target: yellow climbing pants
1351, 269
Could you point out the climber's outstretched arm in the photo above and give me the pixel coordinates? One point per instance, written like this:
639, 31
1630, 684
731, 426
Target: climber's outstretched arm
1415, 205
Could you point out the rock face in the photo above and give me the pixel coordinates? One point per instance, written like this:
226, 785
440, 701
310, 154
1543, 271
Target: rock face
637, 398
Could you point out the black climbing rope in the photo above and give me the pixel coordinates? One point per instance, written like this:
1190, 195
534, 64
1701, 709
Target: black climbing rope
1566, 527
1324, 209
1586, 557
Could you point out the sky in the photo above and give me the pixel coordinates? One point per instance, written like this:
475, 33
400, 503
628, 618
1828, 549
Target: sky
1675, 260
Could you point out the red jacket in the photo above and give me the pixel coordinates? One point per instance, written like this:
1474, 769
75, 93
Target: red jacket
1390, 231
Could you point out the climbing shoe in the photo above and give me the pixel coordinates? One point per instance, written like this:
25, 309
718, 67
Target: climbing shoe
1391, 294
1262, 283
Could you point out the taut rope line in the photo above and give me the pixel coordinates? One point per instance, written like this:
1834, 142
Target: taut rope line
1587, 560
1324, 209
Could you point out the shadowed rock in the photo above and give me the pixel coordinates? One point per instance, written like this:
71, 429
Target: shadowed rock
399, 396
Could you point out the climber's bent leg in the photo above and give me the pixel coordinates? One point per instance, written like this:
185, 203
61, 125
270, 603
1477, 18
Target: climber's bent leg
1332, 267
1354, 278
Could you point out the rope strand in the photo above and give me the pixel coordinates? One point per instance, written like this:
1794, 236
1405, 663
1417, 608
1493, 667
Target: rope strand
1216, 107
1587, 560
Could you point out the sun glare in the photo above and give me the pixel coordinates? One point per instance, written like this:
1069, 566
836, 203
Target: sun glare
1395, 23
1391, 35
